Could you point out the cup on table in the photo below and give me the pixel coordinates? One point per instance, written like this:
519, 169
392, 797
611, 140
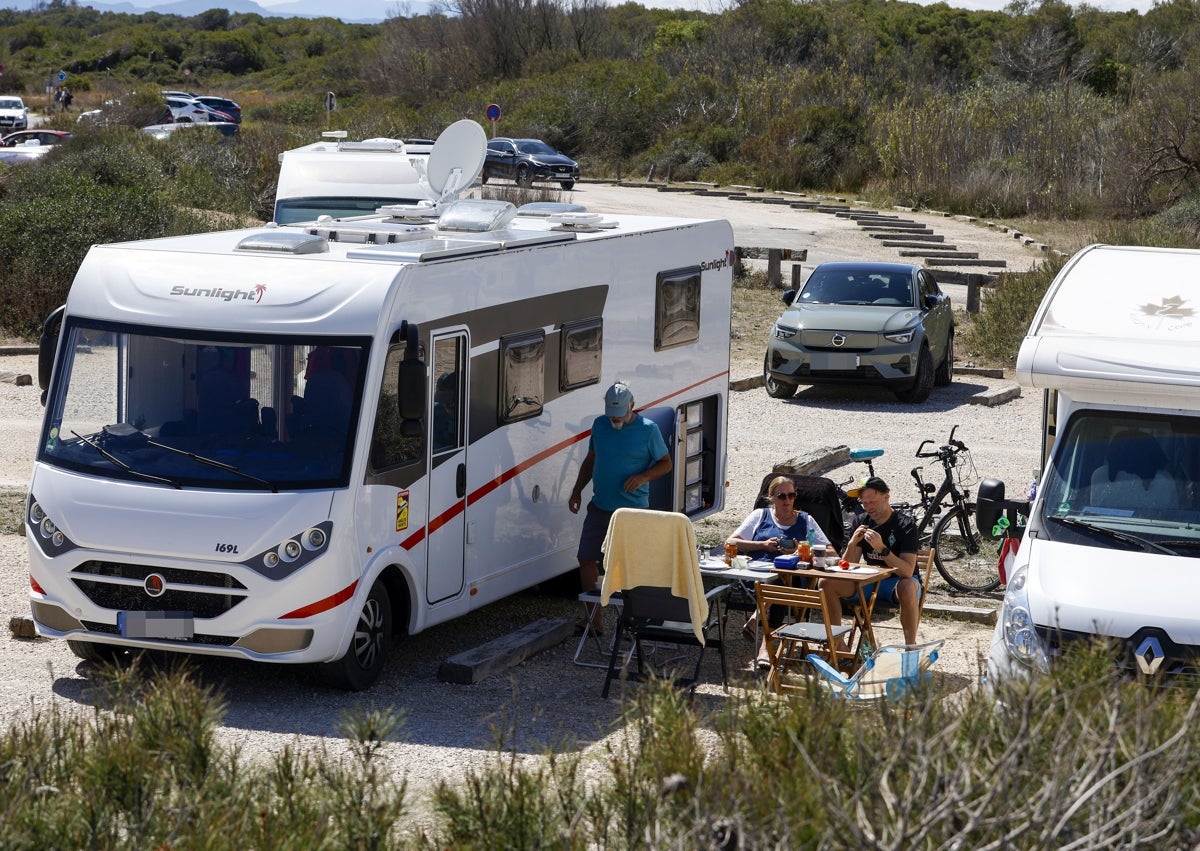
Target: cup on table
818, 554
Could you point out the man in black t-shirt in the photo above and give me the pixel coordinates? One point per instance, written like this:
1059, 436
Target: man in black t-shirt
888, 539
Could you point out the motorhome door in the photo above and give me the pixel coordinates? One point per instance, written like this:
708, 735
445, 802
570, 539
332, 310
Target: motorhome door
447, 466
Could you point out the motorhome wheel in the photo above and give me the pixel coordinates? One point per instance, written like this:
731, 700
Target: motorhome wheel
364, 661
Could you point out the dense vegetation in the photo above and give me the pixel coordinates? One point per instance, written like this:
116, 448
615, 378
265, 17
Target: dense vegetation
1077, 759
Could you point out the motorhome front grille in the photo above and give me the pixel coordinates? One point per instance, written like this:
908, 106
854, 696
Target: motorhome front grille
121, 587
198, 638
1180, 663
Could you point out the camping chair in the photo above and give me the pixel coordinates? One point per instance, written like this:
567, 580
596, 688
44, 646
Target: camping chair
816, 496
650, 557
787, 645
891, 672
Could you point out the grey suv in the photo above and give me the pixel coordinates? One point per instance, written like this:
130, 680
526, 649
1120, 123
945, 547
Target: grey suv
870, 323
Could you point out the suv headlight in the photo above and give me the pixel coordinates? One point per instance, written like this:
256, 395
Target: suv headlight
901, 336
783, 332
1020, 638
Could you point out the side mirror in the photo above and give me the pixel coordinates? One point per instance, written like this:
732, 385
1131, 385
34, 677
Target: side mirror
47, 347
931, 301
410, 389
788, 297
989, 506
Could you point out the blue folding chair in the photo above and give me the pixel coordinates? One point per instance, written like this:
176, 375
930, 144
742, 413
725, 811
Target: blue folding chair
891, 673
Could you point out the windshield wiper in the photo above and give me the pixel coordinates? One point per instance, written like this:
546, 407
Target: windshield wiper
108, 456
1142, 543
211, 462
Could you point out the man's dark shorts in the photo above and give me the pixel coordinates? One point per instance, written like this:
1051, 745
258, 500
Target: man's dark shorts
591, 539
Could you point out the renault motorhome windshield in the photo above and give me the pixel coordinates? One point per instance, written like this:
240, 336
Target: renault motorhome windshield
1127, 480
205, 410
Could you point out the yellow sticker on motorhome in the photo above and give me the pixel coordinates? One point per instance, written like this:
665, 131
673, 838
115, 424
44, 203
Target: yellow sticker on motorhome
401, 511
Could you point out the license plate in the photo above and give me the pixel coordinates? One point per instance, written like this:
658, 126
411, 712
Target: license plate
834, 360
173, 625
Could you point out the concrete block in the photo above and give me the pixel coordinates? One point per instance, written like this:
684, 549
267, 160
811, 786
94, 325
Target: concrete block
21, 626
498, 655
965, 219
20, 379
997, 396
965, 614
749, 383
984, 371
816, 462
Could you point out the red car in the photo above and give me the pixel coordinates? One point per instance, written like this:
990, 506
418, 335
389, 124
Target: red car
41, 137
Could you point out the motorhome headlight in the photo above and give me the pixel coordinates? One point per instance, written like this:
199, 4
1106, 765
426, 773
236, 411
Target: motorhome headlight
48, 528
901, 336
1020, 636
57, 539
49, 538
314, 539
290, 550
270, 559
784, 332
36, 514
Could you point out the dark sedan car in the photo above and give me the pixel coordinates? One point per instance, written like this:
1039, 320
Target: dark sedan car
224, 105
527, 160
875, 323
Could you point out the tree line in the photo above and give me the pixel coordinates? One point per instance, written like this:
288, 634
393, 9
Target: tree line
1042, 109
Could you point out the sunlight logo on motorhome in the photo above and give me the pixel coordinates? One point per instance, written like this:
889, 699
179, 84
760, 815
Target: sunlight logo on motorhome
255, 295
718, 263
1168, 315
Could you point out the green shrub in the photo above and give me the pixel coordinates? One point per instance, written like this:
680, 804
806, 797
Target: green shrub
1006, 311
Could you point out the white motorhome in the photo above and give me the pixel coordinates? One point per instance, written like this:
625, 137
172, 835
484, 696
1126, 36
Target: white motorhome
186, 497
338, 178
1113, 536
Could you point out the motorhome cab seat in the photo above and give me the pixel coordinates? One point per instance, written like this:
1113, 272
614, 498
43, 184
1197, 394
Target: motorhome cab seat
1134, 475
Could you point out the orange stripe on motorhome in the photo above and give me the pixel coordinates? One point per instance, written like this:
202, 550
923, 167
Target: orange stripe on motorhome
325, 605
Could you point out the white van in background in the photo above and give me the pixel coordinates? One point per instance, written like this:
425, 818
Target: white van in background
1112, 546
343, 179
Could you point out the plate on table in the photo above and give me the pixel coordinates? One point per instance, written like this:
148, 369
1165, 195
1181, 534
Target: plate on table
762, 566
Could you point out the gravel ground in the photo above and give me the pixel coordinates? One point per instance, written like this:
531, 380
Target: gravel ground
546, 700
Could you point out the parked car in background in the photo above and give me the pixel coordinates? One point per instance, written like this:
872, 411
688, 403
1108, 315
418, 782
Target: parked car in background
224, 105
14, 115
185, 110
38, 137
227, 129
527, 160
872, 323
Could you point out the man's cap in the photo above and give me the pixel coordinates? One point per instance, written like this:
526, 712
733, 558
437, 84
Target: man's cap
876, 484
617, 400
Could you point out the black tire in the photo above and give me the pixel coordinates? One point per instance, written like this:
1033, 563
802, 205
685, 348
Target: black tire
923, 384
775, 388
364, 660
567, 184
483, 178
524, 176
945, 371
962, 558
98, 653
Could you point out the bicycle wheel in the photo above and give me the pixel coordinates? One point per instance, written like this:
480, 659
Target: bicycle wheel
962, 556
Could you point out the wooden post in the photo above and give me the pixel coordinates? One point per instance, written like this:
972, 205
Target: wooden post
774, 275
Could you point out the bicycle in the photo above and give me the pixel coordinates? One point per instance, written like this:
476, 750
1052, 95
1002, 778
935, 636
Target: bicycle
961, 556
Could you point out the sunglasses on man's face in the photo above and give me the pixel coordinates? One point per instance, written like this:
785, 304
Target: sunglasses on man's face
791, 495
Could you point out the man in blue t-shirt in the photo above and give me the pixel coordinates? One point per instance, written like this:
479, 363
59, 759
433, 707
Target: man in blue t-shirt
625, 453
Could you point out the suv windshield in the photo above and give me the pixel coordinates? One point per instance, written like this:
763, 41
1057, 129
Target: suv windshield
1131, 474
190, 411
532, 146
849, 286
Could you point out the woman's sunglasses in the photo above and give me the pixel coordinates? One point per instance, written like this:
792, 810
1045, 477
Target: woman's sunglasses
791, 495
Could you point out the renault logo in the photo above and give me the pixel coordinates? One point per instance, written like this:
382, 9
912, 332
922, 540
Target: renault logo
1149, 656
155, 585
838, 340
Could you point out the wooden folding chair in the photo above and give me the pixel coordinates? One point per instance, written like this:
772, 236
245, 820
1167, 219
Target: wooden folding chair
924, 569
788, 645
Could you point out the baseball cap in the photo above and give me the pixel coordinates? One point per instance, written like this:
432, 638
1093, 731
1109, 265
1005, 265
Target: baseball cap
617, 400
876, 484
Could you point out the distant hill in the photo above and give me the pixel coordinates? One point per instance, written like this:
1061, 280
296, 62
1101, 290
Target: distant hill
363, 11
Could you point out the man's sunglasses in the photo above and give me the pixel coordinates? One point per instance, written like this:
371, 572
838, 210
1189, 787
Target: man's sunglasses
791, 495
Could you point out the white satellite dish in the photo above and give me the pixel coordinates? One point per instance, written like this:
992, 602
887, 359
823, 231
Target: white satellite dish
455, 161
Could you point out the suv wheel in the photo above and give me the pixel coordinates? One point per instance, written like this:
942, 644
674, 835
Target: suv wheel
777, 389
945, 371
923, 384
567, 184
524, 177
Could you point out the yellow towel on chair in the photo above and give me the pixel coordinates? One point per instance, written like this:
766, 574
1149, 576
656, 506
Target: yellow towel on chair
645, 547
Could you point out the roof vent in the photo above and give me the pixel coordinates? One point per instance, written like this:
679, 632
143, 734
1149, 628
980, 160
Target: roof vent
579, 222
284, 242
549, 208
476, 216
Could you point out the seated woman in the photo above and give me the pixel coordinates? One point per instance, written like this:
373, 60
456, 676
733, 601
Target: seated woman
759, 536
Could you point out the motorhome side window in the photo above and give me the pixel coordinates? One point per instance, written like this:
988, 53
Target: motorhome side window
677, 308
522, 375
195, 410
582, 346
389, 447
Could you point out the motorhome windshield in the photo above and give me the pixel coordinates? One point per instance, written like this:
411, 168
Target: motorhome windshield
291, 210
1126, 480
205, 411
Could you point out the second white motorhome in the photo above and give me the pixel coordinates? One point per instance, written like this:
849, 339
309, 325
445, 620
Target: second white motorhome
1113, 538
339, 178
188, 496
